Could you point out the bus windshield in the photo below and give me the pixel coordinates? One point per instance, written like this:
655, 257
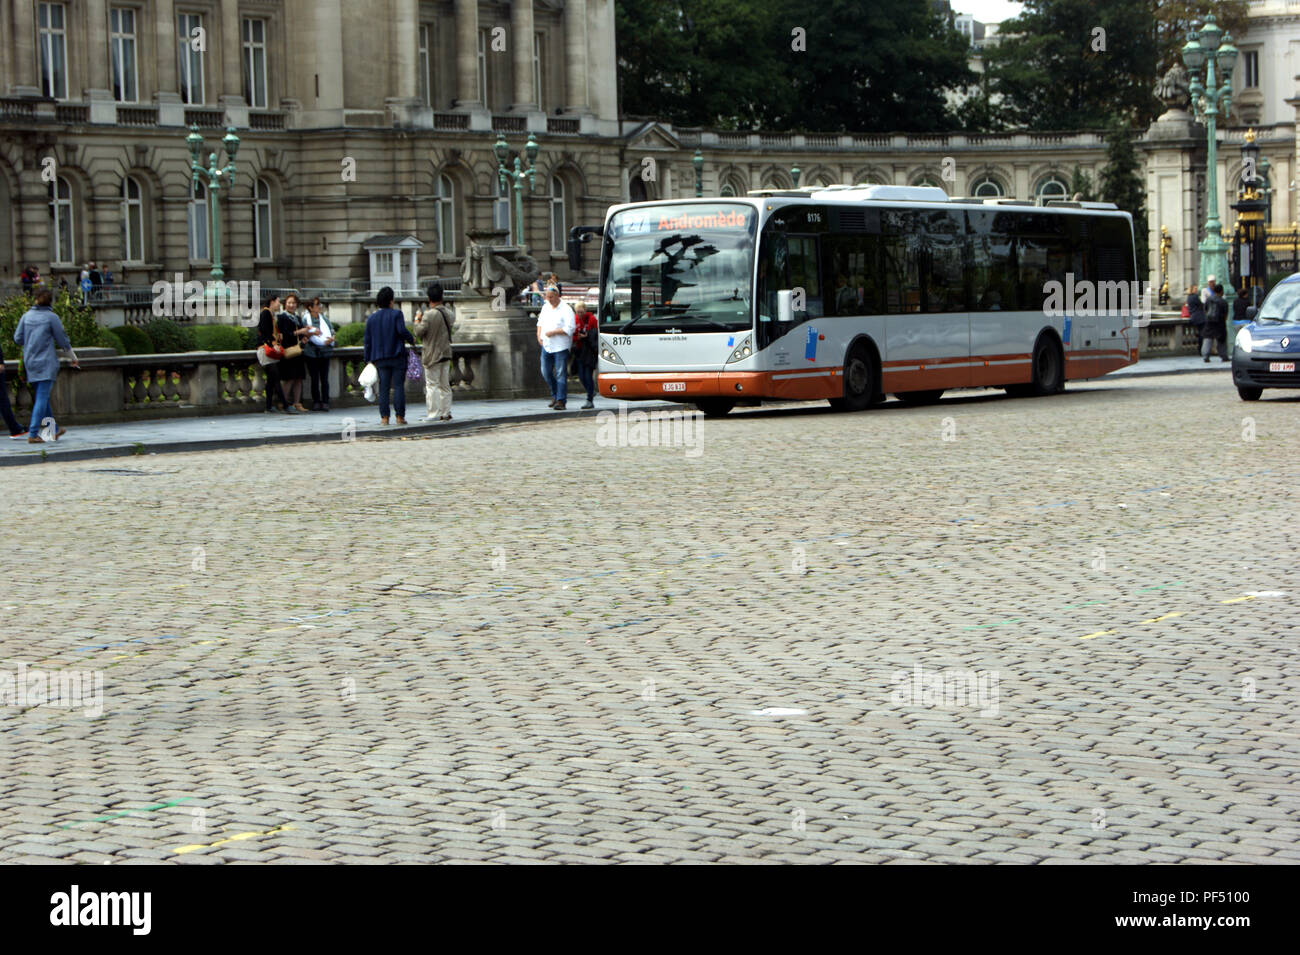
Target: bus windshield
678, 268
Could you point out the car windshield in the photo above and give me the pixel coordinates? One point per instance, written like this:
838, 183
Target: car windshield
680, 268
1282, 305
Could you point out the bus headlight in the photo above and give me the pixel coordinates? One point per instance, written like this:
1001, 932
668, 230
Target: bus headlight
609, 355
1244, 341
743, 350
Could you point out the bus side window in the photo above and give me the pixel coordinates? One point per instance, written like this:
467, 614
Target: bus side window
805, 274
853, 274
771, 274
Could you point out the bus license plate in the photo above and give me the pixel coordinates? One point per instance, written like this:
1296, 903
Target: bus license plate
1276, 366
674, 386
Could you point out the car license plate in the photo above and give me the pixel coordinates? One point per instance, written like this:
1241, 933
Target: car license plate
680, 385
1281, 366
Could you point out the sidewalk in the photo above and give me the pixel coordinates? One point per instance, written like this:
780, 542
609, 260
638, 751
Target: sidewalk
248, 430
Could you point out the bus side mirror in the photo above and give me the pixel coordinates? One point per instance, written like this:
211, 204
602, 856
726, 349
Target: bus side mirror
1251, 312
785, 307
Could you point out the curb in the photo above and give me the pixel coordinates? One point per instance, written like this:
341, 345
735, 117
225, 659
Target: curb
1219, 366
140, 449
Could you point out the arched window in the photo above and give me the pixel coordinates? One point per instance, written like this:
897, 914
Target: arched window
62, 226
986, 187
1052, 187
132, 221
559, 228
727, 189
444, 215
928, 180
197, 216
636, 190
263, 234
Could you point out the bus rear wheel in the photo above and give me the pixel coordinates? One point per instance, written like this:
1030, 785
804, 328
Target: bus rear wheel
714, 407
859, 381
920, 397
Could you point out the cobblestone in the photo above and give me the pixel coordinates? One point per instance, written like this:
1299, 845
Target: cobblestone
384, 651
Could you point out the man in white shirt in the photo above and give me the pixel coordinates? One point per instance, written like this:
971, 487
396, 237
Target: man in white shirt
555, 327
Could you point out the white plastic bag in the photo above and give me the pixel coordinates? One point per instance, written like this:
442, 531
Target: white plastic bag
369, 376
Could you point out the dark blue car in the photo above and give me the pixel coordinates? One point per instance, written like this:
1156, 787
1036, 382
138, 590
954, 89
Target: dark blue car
1266, 353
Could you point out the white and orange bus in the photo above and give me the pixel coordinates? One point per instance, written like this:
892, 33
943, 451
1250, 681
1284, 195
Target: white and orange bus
852, 293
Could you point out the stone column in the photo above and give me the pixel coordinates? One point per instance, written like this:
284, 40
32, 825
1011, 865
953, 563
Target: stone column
405, 38
232, 67
97, 51
26, 80
467, 55
575, 56
521, 35
168, 44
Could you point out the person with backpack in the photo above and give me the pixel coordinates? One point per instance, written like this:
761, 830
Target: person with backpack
585, 350
1216, 324
317, 349
433, 329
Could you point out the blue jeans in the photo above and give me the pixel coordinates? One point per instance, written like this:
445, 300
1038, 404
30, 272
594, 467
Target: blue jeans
392, 374
587, 375
41, 407
555, 371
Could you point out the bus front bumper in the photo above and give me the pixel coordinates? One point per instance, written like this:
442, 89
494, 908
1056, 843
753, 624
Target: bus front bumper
681, 385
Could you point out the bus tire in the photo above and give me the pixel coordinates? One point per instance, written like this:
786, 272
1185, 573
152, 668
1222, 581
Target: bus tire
1048, 364
714, 407
920, 397
861, 390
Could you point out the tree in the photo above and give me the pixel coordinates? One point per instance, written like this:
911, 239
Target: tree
1081, 186
1123, 183
1176, 18
1069, 64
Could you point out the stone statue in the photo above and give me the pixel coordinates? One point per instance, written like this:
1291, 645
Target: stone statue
489, 266
1174, 88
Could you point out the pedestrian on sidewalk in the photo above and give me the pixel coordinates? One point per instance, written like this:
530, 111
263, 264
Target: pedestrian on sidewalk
433, 329
1196, 313
1216, 325
585, 337
41, 334
30, 278
555, 327
293, 371
385, 346
1241, 303
317, 350
268, 333
11, 423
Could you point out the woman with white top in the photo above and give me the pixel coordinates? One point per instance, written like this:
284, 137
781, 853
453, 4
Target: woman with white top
317, 350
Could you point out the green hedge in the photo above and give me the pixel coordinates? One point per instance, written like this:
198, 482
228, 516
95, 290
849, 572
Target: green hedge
135, 339
168, 337
114, 342
219, 338
348, 336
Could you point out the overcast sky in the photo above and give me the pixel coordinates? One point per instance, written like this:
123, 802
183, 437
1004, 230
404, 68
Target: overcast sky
987, 11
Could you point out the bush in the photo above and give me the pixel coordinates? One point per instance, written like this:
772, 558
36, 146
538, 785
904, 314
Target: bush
168, 337
134, 339
218, 338
349, 336
114, 342
78, 321
250, 338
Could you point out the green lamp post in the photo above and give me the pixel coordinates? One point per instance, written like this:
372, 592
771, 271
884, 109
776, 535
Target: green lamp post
216, 176
1211, 50
795, 173
698, 163
519, 174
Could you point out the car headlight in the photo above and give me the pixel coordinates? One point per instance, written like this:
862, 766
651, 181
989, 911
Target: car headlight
1244, 341
609, 355
743, 350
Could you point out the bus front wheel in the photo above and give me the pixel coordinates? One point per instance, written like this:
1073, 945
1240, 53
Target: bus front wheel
859, 381
714, 407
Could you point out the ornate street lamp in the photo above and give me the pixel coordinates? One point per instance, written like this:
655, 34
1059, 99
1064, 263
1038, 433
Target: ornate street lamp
216, 175
1212, 50
698, 163
517, 175
795, 173
1250, 248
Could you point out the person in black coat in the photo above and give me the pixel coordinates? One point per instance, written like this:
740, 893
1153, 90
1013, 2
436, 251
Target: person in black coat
267, 330
385, 347
1216, 325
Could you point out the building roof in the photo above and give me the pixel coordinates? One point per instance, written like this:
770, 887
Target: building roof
400, 241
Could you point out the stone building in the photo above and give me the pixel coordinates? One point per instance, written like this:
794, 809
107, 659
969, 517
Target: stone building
379, 118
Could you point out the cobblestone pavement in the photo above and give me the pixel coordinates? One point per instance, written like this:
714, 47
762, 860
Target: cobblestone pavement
987, 630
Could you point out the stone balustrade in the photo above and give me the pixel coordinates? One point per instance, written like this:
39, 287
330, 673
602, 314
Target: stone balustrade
131, 387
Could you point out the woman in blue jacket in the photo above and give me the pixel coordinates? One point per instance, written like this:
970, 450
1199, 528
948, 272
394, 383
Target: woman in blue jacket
40, 333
